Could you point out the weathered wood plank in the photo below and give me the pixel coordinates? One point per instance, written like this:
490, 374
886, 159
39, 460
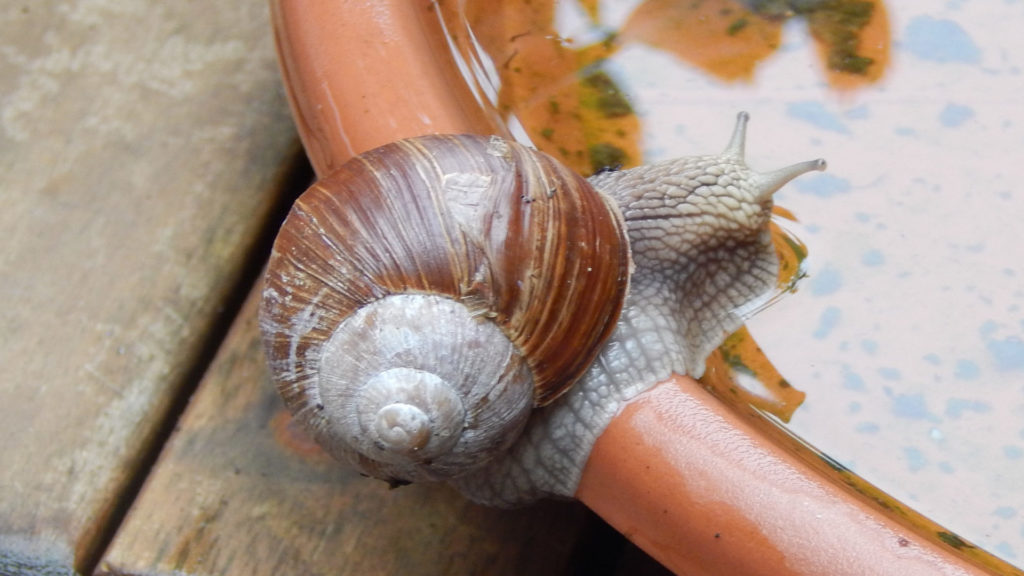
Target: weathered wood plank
141, 145
239, 491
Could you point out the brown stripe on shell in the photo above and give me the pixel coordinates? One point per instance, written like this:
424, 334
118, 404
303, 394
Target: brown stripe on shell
528, 244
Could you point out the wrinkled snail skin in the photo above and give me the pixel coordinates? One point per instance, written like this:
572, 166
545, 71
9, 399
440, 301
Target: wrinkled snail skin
703, 256
428, 306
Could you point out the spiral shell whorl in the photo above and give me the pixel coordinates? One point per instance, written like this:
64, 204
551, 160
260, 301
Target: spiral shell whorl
415, 388
402, 410
487, 233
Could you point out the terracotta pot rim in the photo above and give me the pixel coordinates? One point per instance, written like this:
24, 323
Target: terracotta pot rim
408, 86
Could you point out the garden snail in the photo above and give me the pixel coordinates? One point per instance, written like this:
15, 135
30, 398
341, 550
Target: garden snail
428, 296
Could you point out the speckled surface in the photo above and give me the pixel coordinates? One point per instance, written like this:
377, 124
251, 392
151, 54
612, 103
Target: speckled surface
908, 336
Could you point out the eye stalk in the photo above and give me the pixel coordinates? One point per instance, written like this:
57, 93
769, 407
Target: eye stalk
428, 305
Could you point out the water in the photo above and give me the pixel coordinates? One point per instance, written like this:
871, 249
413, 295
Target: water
908, 334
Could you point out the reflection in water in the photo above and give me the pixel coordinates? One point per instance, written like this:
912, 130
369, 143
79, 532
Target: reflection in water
558, 89
572, 108
728, 39
908, 333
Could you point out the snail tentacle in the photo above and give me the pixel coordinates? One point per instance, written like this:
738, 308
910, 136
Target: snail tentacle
698, 229
426, 296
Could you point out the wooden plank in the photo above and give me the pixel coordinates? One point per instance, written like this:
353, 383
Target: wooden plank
239, 491
141, 147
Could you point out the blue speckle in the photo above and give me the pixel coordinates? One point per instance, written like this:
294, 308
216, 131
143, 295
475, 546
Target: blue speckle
889, 373
821, 185
940, 41
858, 113
1013, 452
1008, 353
1005, 512
966, 370
910, 406
954, 115
827, 322
867, 428
904, 131
861, 216
1005, 550
872, 258
946, 467
852, 380
826, 281
932, 358
816, 114
957, 407
869, 346
988, 328
915, 459
854, 407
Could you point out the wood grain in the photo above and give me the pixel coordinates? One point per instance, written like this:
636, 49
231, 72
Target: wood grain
141, 150
142, 153
239, 490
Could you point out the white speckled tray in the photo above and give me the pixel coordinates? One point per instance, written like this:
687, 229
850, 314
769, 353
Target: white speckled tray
908, 336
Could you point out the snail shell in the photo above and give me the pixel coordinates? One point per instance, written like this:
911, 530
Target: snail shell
424, 297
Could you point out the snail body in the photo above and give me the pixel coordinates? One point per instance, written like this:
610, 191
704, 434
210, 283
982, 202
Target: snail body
416, 310
435, 297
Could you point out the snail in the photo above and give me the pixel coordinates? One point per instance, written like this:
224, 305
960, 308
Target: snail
466, 309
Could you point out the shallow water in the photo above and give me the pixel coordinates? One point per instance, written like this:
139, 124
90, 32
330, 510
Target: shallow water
908, 334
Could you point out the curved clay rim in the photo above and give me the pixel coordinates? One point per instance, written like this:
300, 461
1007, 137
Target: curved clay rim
693, 483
